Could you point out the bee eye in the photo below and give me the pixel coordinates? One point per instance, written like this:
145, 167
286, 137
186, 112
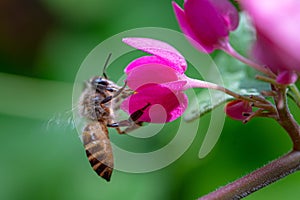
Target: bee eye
102, 82
99, 81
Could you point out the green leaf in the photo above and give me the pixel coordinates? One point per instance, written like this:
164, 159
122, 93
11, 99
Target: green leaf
205, 102
241, 39
236, 77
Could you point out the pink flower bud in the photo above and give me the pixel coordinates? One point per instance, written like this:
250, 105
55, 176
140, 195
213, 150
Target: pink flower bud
207, 23
237, 108
278, 30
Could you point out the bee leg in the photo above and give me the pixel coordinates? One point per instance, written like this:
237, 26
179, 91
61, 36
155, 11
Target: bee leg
109, 98
132, 123
137, 114
120, 90
134, 117
131, 127
122, 123
119, 130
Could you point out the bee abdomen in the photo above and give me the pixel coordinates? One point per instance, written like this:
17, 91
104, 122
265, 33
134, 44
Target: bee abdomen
98, 149
98, 165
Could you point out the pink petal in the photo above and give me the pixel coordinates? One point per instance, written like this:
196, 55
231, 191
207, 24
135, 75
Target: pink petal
150, 60
235, 109
160, 49
279, 22
176, 85
264, 51
173, 103
150, 73
267, 53
206, 21
187, 30
287, 77
229, 13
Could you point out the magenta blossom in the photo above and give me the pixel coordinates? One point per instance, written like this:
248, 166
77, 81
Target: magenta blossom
278, 30
237, 108
207, 23
158, 79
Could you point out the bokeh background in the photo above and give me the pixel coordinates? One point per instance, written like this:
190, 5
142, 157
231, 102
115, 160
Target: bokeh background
42, 44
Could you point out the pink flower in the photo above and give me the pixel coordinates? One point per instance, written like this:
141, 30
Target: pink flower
237, 108
158, 79
278, 30
207, 23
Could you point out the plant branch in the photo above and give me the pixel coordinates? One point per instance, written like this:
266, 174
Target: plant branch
275, 170
286, 119
257, 101
266, 79
258, 179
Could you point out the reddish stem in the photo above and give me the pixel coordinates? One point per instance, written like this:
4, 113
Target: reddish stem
258, 179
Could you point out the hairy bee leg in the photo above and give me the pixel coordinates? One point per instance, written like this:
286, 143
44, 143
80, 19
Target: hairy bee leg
122, 123
132, 119
119, 130
109, 98
132, 127
120, 90
132, 123
137, 114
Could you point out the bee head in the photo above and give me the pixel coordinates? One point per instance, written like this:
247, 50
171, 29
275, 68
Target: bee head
99, 83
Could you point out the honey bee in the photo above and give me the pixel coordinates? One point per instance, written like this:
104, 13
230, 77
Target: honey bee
99, 101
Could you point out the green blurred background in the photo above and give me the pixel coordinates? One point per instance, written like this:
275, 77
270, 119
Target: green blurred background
42, 44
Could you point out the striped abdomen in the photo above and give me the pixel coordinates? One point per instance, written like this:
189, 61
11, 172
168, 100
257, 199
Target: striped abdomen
98, 149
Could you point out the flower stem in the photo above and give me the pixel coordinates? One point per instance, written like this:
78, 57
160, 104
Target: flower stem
266, 79
226, 47
195, 83
258, 179
295, 94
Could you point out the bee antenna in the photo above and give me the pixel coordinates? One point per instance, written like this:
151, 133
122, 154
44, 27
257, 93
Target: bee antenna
105, 66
